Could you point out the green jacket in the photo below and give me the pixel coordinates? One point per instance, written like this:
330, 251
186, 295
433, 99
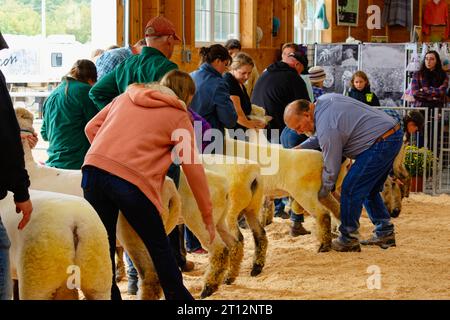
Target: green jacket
64, 119
148, 66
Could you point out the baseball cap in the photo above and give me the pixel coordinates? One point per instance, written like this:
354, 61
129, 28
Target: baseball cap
300, 57
160, 26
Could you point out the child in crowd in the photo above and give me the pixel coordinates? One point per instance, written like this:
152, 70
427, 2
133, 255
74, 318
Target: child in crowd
317, 76
360, 89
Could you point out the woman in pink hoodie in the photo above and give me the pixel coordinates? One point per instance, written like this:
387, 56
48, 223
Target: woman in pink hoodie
131, 151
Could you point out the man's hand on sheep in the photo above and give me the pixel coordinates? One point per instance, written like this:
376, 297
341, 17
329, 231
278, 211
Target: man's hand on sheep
257, 124
26, 208
323, 193
209, 223
32, 139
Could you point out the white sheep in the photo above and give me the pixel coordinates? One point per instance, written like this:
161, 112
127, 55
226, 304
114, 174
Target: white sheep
64, 235
297, 173
246, 197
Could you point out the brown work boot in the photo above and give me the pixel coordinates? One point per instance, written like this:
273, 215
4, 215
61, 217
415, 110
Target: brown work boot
297, 229
383, 242
188, 266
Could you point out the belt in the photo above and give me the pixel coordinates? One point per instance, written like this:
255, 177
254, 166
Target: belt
388, 133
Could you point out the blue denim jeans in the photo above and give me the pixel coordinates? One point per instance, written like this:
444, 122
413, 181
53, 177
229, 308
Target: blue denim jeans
108, 194
192, 242
5, 275
362, 186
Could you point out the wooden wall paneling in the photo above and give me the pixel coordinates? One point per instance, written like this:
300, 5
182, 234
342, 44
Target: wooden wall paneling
264, 21
247, 21
290, 21
280, 11
119, 16
136, 29
263, 57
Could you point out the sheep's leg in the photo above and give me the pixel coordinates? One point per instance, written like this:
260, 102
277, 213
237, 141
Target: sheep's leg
15, 289
236, 249
310, 203
218, 254
261, 242
120, 265
267, 211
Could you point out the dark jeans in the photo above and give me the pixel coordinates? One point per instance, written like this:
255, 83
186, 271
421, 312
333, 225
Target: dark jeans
362, 186
108, 194
192, 242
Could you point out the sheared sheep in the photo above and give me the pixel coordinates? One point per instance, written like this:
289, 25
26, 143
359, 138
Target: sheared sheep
297, 173
64, 235
246, 197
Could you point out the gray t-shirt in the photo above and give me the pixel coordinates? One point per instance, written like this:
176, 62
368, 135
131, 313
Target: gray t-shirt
344, 127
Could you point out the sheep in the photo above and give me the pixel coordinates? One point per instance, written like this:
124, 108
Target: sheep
63, 234
297, 173
392, 197
69, 181
246, 196
397, 187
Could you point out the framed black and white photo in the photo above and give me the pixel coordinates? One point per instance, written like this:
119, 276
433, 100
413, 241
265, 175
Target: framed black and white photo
347, 12
339, 61
385, 66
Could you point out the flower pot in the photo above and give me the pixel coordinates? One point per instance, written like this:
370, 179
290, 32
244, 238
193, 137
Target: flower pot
416, 184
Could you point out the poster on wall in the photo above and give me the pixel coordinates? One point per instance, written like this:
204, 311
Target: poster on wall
347, 12
386, 76
339, 61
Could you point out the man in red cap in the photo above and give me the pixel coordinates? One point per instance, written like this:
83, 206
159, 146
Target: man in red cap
148, 66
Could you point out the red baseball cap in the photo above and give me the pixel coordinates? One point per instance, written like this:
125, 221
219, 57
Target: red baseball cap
160, 26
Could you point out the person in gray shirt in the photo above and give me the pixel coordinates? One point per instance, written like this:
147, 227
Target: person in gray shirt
342, 126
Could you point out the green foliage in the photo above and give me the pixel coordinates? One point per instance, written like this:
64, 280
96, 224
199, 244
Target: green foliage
415, 160
62, 17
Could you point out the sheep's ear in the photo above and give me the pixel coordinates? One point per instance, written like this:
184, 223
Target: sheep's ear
268, 118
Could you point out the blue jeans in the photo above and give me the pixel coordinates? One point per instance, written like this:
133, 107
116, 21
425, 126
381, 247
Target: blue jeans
5, 275
192, 242
108, 194
362, 186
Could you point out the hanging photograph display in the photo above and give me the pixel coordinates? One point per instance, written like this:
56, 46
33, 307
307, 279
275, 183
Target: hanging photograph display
339, 61
347, 12
386, 76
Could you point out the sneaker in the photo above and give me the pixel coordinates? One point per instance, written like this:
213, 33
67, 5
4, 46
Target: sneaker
188, 266
282, 214
199, 251
297, 229
132, 287
341, 246
383, 242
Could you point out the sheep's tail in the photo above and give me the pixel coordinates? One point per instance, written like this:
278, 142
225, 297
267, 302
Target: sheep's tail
92, 256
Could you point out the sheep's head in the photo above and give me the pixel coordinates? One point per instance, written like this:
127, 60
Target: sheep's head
259, 113
25, 119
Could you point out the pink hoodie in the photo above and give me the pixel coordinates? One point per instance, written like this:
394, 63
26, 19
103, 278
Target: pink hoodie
131, 138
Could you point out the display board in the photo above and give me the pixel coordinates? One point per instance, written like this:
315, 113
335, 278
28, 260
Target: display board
385, 66
339, 61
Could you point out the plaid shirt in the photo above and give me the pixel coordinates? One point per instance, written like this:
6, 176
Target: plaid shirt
437, 93
317, 92
110, 59
394, 114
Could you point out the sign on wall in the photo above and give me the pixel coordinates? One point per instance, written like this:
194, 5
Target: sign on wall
347, 12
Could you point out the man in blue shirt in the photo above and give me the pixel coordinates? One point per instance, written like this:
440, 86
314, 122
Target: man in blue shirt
343, 126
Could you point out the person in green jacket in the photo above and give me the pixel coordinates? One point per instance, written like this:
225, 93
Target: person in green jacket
65, 114
148, 66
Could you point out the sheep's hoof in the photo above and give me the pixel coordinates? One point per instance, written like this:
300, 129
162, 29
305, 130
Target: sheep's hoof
334, 235
257, 269
207, 291
229, 280
324, 247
